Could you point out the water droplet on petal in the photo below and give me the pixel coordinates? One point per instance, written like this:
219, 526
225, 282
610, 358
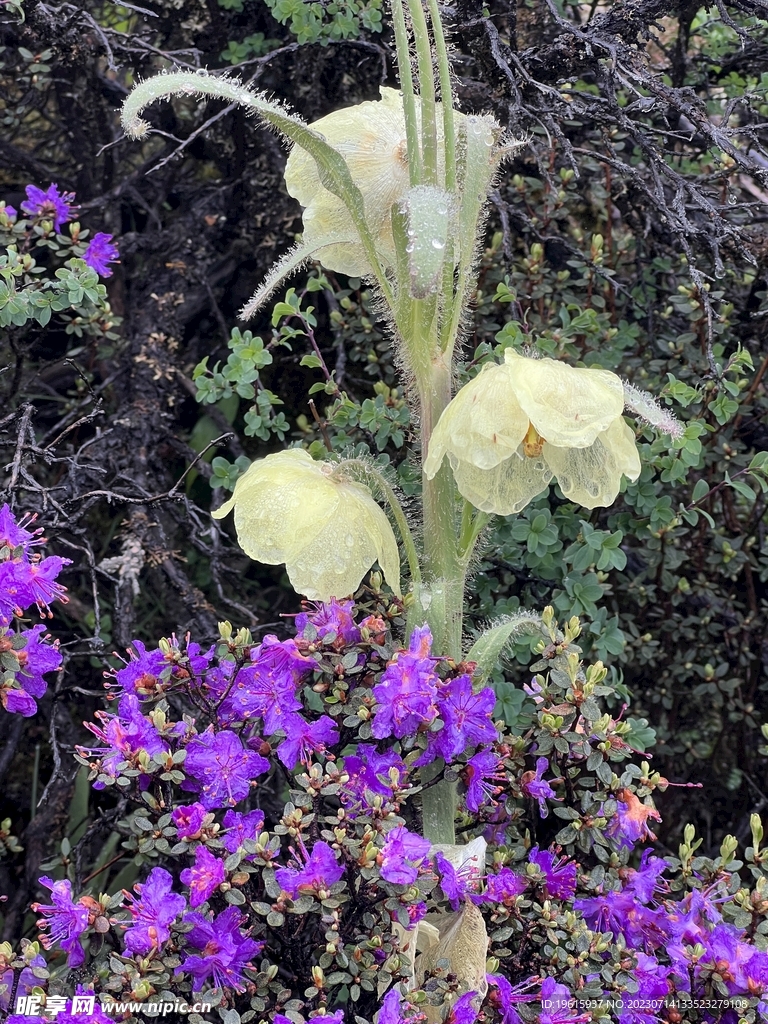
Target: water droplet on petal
410, 247
437, 244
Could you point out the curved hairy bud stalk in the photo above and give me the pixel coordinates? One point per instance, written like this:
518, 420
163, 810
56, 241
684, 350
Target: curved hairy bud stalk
285, 266
648, 409
332, 168
489, 646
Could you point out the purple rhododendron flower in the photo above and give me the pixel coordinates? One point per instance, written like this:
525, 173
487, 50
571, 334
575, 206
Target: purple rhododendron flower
14, 533
321, 871
334, 617
126, 735
64, 920
620, 913
204, 877
241, 827
225, 951
153, 913
407, 692
467, 718
369, 770
49, 204
266, 688
18, 702
655, 983
630, 823
303, 738
24, 583
222, 768
535, 787
27, 981
463, 1010
142, 673
67, 1017
505, 997
556, 1005
100, 253
480, 767
188, 820
646, 881
402, 854
742, 968
455, 884
390, 1012
37, 658
501, 887
559, 875
9, 211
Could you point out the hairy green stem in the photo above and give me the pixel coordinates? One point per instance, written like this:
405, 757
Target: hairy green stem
446, 574
426, 91
406, 84
446, 95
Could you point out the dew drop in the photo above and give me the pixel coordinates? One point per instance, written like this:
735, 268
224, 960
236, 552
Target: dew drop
349, 540
437, 244
202, 71
410, 247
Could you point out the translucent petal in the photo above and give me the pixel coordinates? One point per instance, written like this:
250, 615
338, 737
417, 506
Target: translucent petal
483, 425
334, 561
592, 476
568, 406
271, 505
371, 138
328, 532
464, 943
505, 489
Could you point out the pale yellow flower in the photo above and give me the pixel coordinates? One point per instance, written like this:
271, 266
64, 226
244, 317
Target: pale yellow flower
516, 425
371, 138
327, 529
460, 937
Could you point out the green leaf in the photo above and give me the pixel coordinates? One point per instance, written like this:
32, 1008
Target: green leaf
701, 488
310, 360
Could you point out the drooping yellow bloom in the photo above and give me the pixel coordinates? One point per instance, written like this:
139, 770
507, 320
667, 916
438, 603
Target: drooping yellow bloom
516, 425
460, 937
327, 529
371, 138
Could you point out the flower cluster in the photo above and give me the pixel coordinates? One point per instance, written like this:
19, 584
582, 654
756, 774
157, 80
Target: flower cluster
58, 208
26, 579
349, 720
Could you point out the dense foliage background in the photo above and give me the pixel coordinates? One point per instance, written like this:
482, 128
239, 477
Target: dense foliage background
627, 232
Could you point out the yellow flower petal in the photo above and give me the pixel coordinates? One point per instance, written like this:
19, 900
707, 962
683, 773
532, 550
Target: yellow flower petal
329, 531
505, 489
592, 476
371, 138
482, 426
569, 406
464, 943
